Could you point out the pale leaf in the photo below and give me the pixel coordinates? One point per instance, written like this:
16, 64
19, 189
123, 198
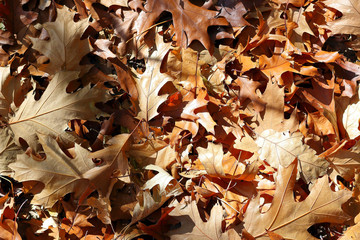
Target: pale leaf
51, 113
351, 118
348, 23
162, 186
345, 161
281, 148
8, 150
114, 164
291, 219
150, 83
193, 227
59, 173
64, 49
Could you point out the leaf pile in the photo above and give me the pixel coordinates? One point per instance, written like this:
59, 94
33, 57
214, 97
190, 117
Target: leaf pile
134, 119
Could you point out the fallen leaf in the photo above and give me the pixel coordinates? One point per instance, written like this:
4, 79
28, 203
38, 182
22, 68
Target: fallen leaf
162, 186
150, 83
192, 226
51, 113
64, 38
59, 173
347, 23
291, 219
344, 160
351, 118
190, 21
281, 148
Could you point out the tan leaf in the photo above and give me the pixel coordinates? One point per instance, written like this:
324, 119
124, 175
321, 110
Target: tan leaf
103, 208
291, 219
8, 150
218, 164
296, 3
211, 157
281, 148
351, 118
64, 39
162, 186
274, 111
351, 233
51, 113
148, 152
344, 160
197, 228
150, 83
10, 86
114, 164
59, 173
108, 3
348, 23
248, 91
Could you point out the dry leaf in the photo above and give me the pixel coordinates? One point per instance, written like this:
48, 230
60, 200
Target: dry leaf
190, 21
59, 173
150, 83
196, 227
281, 148
291, 219
64, 39
162, 186
51, 113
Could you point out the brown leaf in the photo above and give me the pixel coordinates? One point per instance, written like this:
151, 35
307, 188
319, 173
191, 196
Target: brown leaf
275, 66
296, 3
59, 173
273, 117
113, 164
192, 226
162, 186
233, 12
348, 23
344, 160
150, 82
248, 91
64, 38
281, 148
8, 230
51, 113
190, 21
291, 219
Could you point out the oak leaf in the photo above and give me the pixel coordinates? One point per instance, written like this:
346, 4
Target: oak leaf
155, 193
190, 21
348, 23
65, 37
150, 83
233, 12
275, 66
9, 88
344, 160
51, 113
8, 150
193, 227
296, 3
248, 91
113, 164
281, 148
60, 173
273, 117
218, 164
291, 219
351, 118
